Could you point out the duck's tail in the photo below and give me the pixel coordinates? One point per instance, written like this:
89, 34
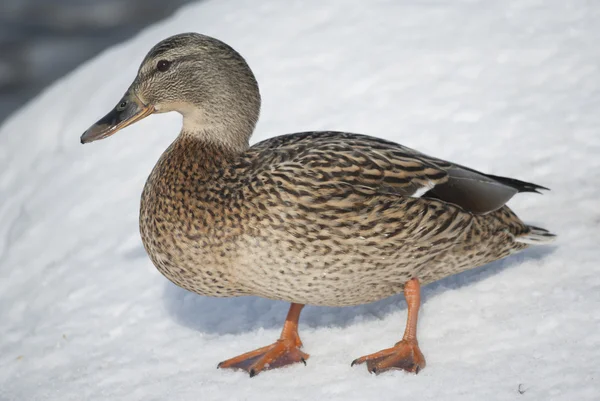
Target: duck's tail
520, 186
536, 236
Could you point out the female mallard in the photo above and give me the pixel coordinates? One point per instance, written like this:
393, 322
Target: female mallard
321, 218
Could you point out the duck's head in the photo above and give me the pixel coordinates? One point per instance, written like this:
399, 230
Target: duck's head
200, 77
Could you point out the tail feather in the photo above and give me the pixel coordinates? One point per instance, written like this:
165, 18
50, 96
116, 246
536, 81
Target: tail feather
536, 236
520, 186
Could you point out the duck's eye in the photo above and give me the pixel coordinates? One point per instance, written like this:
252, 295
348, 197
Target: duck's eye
122, 105
163, 65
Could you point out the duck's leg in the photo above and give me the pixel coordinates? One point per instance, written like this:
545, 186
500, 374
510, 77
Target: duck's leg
405, 354
284, 351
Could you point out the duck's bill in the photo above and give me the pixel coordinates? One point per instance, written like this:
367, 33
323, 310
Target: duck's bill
129, 110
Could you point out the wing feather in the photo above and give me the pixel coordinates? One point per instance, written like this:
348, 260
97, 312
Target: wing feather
346, 168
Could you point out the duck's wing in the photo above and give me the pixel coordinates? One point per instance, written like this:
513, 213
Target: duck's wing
329, 164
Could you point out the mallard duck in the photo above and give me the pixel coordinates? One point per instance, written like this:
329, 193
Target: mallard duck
320, 218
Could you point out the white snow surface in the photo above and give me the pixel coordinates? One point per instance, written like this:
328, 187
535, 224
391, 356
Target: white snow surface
508, 87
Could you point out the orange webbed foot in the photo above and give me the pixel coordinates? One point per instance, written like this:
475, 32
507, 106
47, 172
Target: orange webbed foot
281, 353
405, 355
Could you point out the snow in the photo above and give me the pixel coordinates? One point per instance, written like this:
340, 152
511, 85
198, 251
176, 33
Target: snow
511, 88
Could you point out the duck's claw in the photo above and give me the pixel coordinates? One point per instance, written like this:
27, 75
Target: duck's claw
281, 353
405, 355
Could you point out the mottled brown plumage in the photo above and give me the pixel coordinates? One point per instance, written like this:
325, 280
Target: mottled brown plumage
321, 218
310, 218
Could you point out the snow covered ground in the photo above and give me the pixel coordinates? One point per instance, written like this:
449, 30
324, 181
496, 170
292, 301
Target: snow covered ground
508, 87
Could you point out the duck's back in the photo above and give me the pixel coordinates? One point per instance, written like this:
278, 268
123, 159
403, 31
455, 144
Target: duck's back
326, 218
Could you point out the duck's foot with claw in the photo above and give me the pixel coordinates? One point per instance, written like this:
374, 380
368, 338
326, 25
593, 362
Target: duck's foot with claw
405, 355
281, 353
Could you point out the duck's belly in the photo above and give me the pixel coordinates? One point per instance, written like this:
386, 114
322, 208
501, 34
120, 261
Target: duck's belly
319, 280
314, 277
354, 273
360, 271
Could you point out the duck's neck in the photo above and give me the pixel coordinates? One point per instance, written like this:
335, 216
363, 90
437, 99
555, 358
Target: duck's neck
194, 157
196, 152
231, 133
223, 143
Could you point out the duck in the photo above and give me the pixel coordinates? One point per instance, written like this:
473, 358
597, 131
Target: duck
323, 218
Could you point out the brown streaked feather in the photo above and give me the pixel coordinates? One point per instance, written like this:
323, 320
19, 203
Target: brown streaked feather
376, 166
312, 218
338, 159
